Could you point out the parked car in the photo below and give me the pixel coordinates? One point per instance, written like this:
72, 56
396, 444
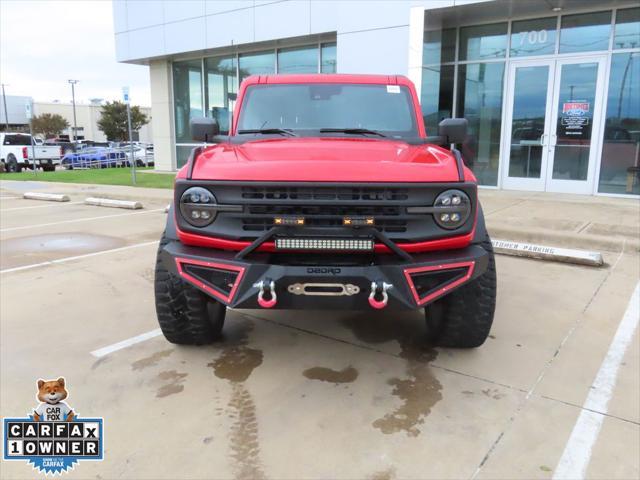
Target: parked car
142, 154
17, 152
93, 157
327, 194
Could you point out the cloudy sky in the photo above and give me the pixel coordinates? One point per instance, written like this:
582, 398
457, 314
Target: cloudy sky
44, 43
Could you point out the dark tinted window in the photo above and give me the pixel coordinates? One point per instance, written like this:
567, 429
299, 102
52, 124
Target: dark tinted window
385, 108
20, 140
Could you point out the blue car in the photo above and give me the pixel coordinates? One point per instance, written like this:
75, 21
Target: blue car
93, 158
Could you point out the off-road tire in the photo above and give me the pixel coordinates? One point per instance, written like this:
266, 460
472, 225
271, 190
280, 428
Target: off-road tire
463, 318
185, 314
48, 168
12, 165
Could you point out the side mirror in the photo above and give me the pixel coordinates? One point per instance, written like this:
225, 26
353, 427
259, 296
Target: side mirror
454, 129
203, 129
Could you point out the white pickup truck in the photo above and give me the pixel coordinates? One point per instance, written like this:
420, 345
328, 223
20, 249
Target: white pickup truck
16, 153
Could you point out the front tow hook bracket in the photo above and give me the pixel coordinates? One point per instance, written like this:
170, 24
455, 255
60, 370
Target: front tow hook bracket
379, 288
268, 287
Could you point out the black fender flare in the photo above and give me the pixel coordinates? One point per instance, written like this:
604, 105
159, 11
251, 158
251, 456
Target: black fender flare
481, 233
170, 230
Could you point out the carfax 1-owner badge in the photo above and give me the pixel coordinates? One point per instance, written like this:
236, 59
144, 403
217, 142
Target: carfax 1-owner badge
53, 438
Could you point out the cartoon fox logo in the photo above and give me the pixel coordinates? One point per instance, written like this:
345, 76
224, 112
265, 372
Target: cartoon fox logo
52, 408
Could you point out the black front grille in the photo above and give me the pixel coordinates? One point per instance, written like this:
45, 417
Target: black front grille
387, 218
324, 206
367, 194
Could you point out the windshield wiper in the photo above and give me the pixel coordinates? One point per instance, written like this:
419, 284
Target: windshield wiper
354, 131
281, 131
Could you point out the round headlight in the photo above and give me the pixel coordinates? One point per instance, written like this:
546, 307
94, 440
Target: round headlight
456, 208
195, 206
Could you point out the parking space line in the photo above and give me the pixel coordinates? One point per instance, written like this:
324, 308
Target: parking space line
9, 198
77, 257
101, 352
25, 227
40, 206
577, 453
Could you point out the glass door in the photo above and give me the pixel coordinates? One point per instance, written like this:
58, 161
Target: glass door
575, 138
526, 136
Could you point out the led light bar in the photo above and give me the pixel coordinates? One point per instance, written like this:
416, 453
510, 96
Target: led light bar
350, 244
358, 221
298, 221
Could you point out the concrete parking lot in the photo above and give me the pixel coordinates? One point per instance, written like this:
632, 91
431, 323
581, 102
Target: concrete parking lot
316, 395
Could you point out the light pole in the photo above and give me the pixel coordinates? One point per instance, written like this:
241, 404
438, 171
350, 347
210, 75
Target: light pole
6, 116
73, 101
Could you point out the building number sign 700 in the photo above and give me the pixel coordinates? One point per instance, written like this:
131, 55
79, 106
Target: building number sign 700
533, 37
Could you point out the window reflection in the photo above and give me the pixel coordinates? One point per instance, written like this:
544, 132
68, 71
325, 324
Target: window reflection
627, 28
527, 127
328, 63
187, 86
480, 102
575, 121
585, 32
483, 41
261, 63
620, 167
298, 60
221, 80
439, 46
437, 95
533, 37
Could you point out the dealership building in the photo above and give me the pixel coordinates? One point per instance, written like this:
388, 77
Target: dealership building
551, 88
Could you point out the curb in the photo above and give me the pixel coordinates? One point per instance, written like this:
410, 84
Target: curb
109, 202
542, 252
566, 239
49, 197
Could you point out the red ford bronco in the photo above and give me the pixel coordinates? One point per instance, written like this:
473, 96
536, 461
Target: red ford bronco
326, 194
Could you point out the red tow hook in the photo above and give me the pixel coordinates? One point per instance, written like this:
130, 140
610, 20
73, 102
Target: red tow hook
268, 286
379, 288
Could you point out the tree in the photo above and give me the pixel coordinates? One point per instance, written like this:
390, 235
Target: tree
113, 120
48, 124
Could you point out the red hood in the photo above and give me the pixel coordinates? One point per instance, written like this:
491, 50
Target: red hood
325, 160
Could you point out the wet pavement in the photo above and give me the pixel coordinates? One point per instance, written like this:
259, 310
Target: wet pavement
320, 394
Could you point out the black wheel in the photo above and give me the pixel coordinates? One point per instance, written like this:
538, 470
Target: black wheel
463, 318
48, 167
12, 164
185, 314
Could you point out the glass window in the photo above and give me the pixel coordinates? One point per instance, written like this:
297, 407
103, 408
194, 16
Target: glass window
220, 80
533, 37
384, 108
527, 121
627, 28
439, 46
585, 32
620, 166
182, 154
436, 95
480, 102
262, 63
328, 58
483, 41
298, 60
187, 95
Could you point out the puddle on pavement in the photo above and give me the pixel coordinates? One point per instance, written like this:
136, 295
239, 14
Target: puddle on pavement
235, 364
151, 360
420, 390
346, 375
54, 245
174, 385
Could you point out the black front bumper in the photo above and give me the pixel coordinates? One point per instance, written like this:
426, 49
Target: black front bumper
471, 261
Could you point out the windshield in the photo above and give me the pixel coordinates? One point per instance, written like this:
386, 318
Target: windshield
307, 108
